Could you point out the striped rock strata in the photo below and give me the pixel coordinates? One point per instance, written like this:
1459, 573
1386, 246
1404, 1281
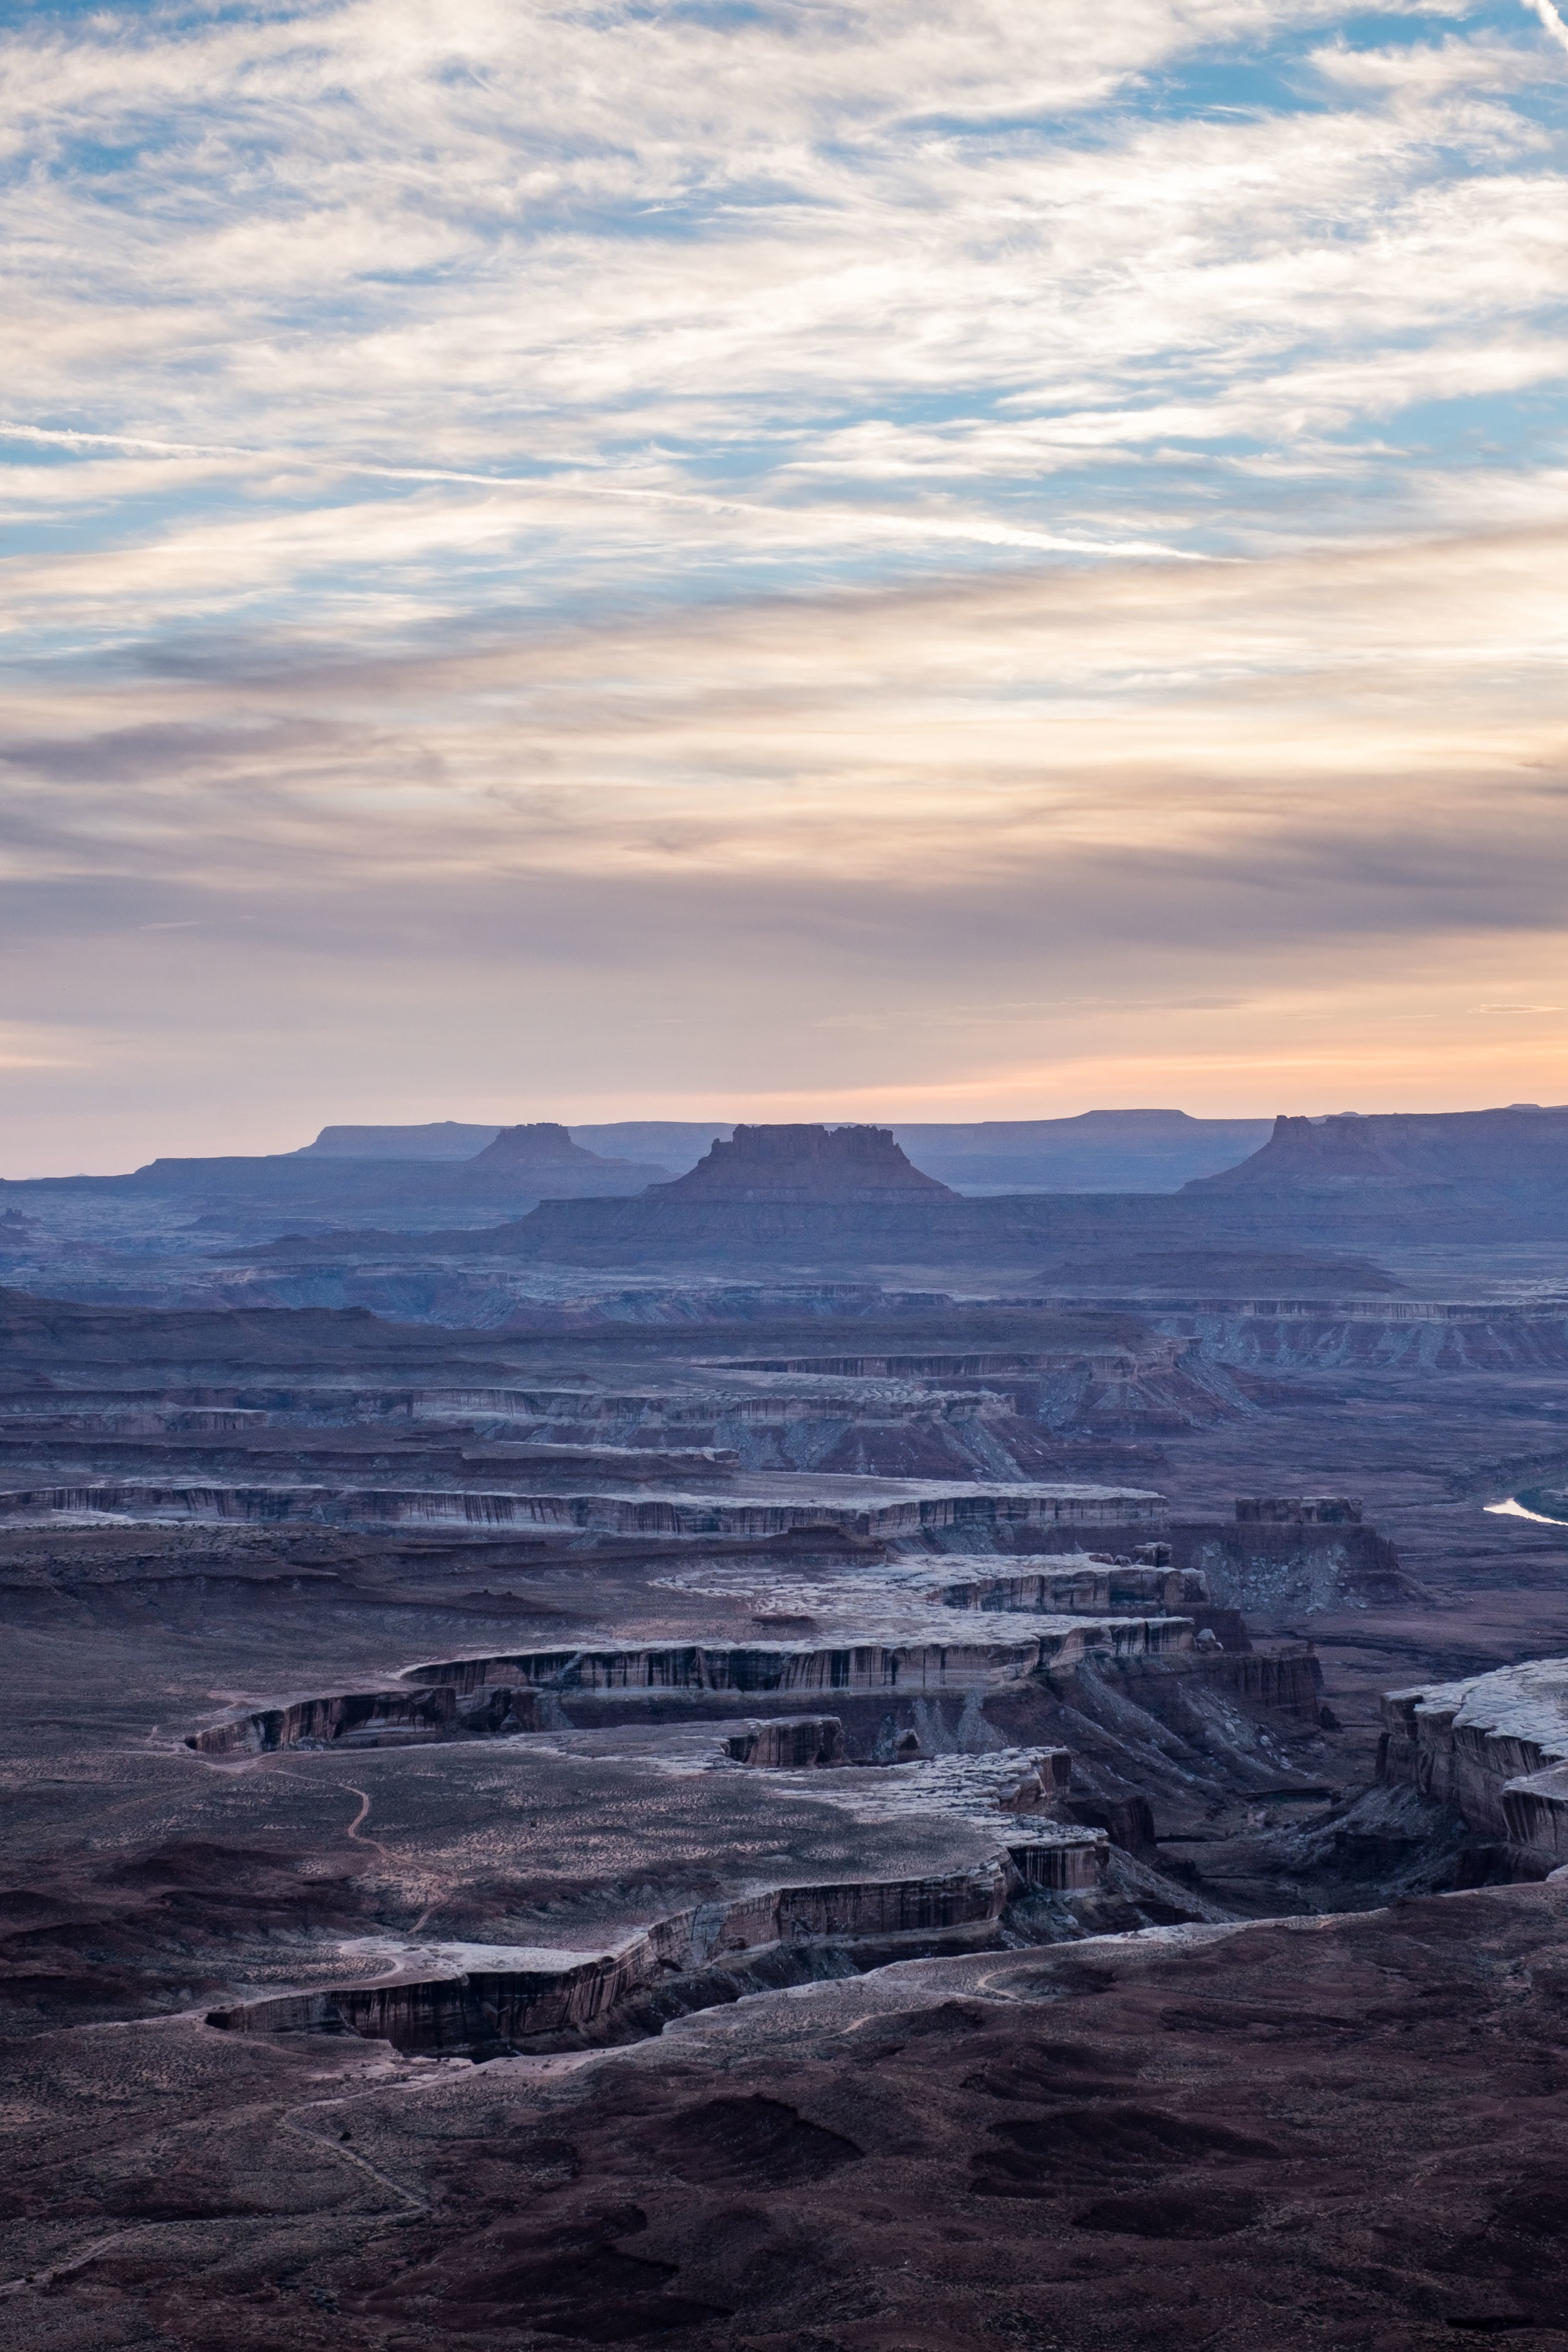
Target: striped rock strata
1495, 1747
883, 1508
927, 1661
511, 1997
466, 1698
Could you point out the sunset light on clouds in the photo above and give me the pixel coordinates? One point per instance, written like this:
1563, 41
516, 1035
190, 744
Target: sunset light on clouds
932, 563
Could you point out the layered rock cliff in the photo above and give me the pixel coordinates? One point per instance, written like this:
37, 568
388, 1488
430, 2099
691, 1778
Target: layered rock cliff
1294, 1553
861, 1165
1083, 1585
789, 1743
915, 1664
558, 1999
1510, 1166
886, 1509
381, 1719
1495, 1747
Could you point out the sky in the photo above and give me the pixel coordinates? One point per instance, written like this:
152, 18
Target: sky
777, 561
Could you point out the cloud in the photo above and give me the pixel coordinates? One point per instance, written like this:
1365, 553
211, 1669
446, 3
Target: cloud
1550, 19
702, 539
1369, 738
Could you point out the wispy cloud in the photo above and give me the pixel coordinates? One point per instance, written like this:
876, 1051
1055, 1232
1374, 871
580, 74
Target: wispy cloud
1550, 18
534, 507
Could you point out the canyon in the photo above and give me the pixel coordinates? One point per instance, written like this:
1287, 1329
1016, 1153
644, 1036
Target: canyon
749, 1791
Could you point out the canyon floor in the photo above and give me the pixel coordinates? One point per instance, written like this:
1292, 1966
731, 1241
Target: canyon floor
1065, 1977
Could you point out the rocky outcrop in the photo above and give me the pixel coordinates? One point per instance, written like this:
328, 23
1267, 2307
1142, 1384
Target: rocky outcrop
1294, 1553
923, 1507
1482, 1174
381, 1718
1059, 1866
1285, 1675
970, 1413
945, 1364
789, 1164
1128, 1821
1495, 1747
1044, 1780
263, 1504
1366, 1336
1071, 1585
1519, 1150
789, 1743
470, 1698
912, 1665
685, 1407
542, 1149
560, 1997
438, 1138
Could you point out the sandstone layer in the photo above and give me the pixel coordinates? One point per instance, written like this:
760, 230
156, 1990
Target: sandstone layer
1496, 1748
858, 1164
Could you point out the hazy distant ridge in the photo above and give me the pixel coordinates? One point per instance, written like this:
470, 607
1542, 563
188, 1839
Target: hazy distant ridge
1097, 1152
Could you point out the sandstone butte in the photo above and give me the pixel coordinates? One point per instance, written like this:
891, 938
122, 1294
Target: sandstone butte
542, 1144
805, 1164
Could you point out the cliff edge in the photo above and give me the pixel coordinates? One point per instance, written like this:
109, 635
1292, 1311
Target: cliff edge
1519, 1154
855, 1164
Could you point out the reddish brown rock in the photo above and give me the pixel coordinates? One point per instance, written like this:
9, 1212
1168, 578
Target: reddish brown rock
790, 1743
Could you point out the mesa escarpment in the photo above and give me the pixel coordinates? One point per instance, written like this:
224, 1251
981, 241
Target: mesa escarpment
1495, 1747
788, 1743
1303, 1553
1138, 2107
542, 1144
380, 1718
861, 1164
1341, 1184
312, 1447
770, 1682
696, 1960
914, 1665
1492, 1172
873, 1510
1165, 2113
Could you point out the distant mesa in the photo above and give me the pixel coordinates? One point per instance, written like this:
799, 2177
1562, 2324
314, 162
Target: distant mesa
1148, 1150
1520, 1151
1097, 1152
441, 1139
543, 1144
539, 1144
462, 1162
859, 1164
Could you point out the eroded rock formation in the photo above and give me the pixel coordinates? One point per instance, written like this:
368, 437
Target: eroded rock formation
1072, 1585
913, 1665
697, 1957
381, 1718
1495, 1747
1299, 1552
860, 1164
884, 1509
541, 1146
789, 1743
